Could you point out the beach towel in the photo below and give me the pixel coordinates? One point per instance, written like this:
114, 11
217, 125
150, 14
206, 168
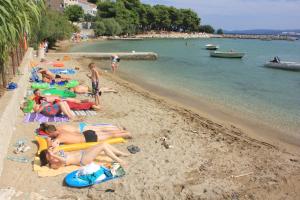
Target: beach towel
45, 171
38, 117
62, 71
84, 112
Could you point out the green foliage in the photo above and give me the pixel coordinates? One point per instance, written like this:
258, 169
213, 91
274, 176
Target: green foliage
112, 27
17, 19
74, 13
207, 29
89, 18
220, 31
134, 17
99, 28
54, 26
107, 9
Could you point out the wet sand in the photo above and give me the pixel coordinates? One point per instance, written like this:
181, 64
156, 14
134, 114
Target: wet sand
208, 159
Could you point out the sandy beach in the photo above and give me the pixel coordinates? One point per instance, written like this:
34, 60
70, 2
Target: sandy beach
202, 159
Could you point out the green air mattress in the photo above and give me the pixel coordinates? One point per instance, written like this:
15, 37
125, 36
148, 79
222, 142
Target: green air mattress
29, 106
60, 93
69, 84
40, 85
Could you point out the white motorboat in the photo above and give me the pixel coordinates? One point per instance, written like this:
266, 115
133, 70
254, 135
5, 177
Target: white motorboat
227, 54
211, 47
283, 65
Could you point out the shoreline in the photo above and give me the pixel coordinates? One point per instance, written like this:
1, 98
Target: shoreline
248, 128
216, 113
176, 35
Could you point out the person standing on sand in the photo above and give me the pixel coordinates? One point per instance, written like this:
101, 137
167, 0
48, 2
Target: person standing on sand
95, 76
114, 62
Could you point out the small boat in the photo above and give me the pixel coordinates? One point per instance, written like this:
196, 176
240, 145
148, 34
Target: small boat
283, 65
227, 54
211, 47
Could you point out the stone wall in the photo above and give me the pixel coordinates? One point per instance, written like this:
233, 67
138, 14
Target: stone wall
10, 106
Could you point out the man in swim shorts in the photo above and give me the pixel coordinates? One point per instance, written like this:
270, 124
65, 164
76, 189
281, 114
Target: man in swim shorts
95, 76
68, 134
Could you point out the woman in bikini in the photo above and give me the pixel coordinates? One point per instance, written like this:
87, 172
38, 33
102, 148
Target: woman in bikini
57, 159
68, 134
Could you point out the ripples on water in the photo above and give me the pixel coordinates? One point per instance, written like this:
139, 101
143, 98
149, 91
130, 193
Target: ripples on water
267, 94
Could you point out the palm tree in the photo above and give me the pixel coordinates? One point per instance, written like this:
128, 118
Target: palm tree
17, 18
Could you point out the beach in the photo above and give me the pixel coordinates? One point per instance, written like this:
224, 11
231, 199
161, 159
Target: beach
201, 159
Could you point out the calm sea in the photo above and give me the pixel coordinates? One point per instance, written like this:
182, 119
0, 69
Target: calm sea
271, 96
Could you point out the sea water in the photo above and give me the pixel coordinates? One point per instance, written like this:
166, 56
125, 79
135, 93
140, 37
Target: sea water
184, 66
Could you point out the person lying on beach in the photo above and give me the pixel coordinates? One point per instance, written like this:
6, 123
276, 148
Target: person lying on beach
95, 76
68, 134
83, 89
74, 104
49, 77
54, 108
57, 159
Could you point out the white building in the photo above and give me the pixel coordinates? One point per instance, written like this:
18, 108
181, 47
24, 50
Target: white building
88, 8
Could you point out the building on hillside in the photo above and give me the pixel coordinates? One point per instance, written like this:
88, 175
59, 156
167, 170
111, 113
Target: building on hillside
60, 5
88, 8
70, 3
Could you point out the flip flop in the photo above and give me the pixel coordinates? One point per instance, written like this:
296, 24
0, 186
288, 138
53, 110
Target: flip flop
133, 149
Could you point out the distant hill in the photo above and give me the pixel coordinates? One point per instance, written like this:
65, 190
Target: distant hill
260, 31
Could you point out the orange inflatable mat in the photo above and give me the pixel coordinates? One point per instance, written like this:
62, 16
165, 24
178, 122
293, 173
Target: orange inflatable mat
58, 64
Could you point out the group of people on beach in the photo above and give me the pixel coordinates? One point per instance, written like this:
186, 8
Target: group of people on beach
52, 105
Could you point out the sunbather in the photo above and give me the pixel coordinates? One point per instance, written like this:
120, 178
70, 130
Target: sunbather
74, 104
49, 77
57, 159
68, 134
83, 89
55, 108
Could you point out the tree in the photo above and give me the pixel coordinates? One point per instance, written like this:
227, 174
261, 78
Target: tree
112, 27
207, 29
89, 18
74, 13
133, 16
106, 9
190, 21
17, 18
99, 28
93, 1
220, 31
128, 19
50, 28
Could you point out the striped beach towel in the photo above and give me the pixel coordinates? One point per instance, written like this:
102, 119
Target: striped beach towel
38, 117
84, 112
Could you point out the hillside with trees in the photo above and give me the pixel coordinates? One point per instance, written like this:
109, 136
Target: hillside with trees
129, 17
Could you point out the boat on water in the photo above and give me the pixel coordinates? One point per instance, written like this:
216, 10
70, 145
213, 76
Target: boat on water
284, 65
211, 47
226, 54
